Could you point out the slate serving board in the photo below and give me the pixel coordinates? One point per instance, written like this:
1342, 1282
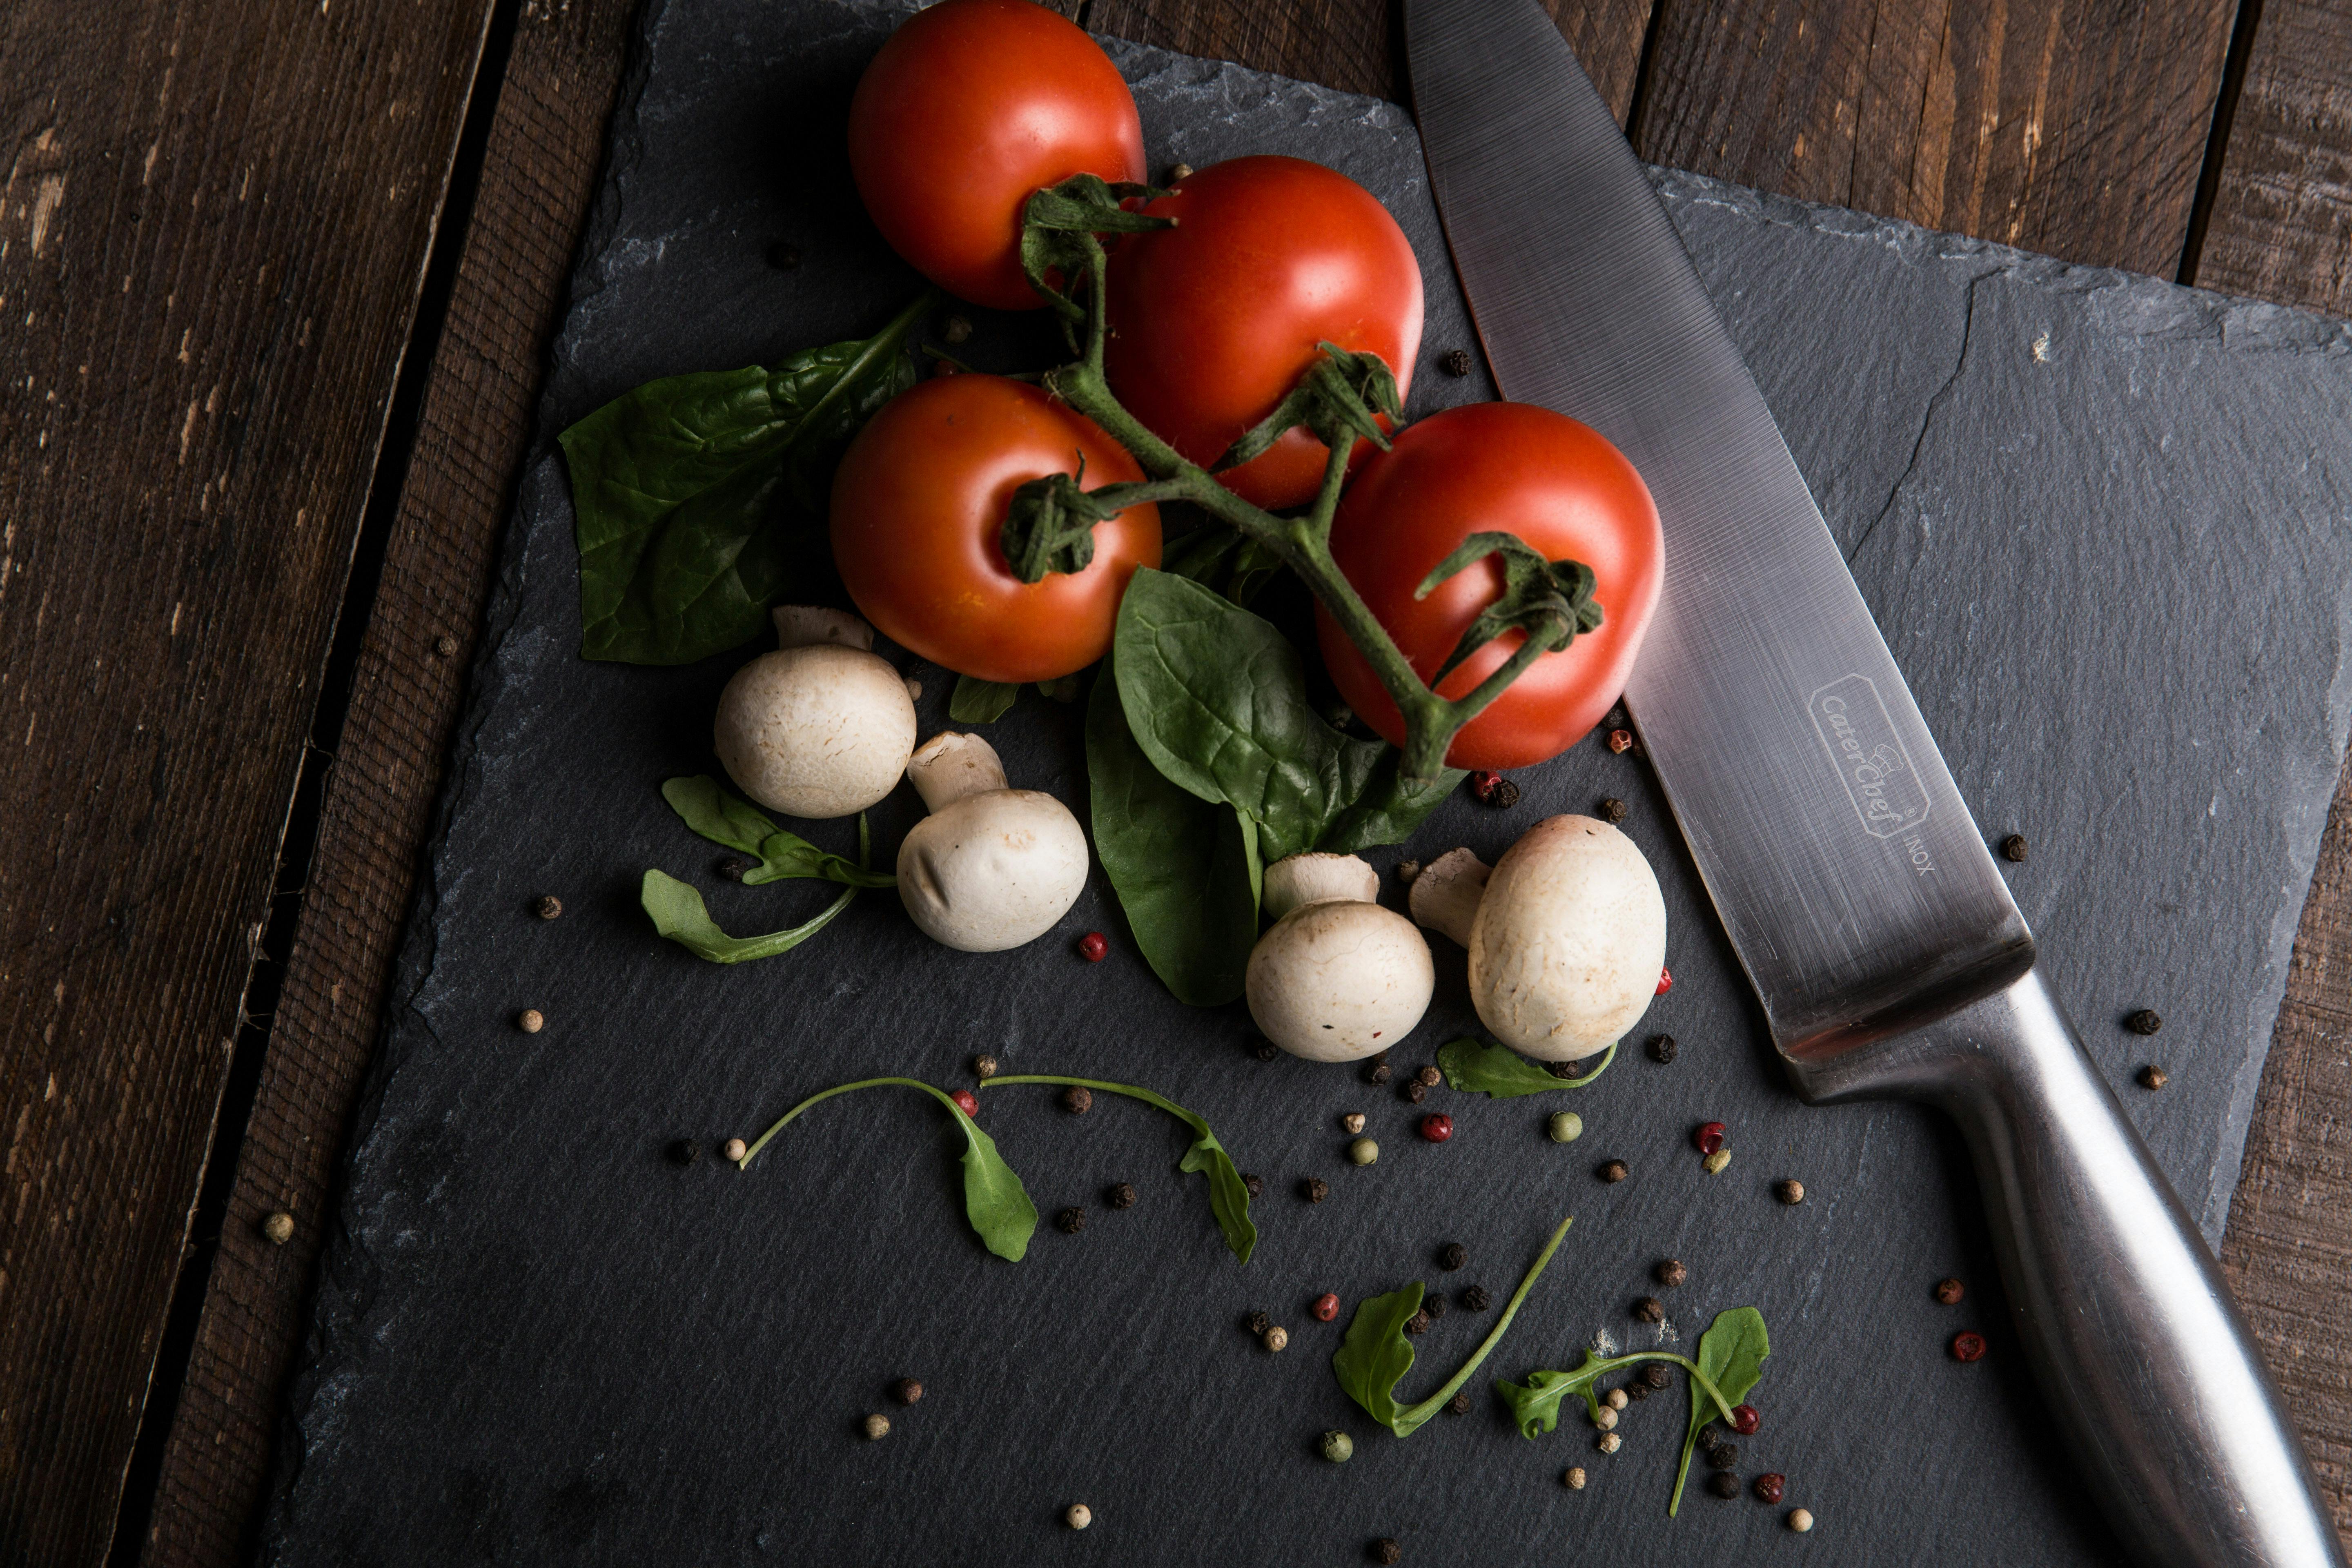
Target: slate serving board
2103, 522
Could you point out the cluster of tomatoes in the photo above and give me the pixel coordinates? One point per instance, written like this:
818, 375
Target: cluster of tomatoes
972, 106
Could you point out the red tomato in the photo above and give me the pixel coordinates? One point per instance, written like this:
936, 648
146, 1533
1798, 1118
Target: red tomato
972, 106
917, 506
1497, 467
1213, 321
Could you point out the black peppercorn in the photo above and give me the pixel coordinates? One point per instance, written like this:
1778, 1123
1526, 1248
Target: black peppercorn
983, 1066
1725, 1456
1614, 1171
1662, 1048
1650, 1309
1475, 1300
1377, 1069
1434, 1306
1266, 1050
1456, 361
1613, 810
1506, 795
1564, 1069
1429, 1077
2147, 1021
1121, 1196
1385, 1550
732, 867
1452, 1256
1670, 1273
1418, 1324
1255, 1184
1077, 1100
685, 1152
1459, 1405
783, 256
1412, 1089
1637, 1389
1071, 1221
1655, 1376
907, 1390
1949, 1291
2153, 1077
546, 906
2014, 847
1723, 1484
1258, 1323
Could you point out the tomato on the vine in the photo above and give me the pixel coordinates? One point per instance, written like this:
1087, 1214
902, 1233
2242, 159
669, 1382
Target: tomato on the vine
1213, 322
968, 108
918, 504
1508, 468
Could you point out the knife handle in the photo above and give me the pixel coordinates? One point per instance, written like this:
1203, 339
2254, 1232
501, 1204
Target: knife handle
2145, 1363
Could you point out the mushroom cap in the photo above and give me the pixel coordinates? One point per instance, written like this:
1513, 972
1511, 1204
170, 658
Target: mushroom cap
1569, 940
1315, 878
815, 731
992, 870
1338, 979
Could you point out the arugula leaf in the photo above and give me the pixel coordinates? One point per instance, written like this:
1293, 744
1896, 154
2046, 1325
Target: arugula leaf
1535, 1405
978, 701
679, 914
719, 817
1730, 1357
1228, 1193
1185, 870
689, 492
1375, 1354
994, 1201
1500, 1073
1217, 699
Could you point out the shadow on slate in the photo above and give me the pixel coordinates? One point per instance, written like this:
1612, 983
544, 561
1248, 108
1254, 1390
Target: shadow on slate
2102, 520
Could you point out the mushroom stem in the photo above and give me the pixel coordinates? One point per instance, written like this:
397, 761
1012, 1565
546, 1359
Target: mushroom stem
1446, 894
1317, 879
802, 625
950, 766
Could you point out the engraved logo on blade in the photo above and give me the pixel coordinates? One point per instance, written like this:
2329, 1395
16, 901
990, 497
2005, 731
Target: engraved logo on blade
1869, 755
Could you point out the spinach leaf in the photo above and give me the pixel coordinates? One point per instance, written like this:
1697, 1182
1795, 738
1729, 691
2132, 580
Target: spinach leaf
1186, 868
978, 701
1228, 1193
994, 1201
1375, 1354
723, 819
1217, 699
1730, 1357
1499, 1073
687, 493
1535, 1405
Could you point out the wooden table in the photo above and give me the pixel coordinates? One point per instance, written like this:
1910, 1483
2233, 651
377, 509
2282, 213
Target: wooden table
277, 279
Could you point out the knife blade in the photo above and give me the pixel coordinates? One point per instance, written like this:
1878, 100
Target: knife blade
1855, 888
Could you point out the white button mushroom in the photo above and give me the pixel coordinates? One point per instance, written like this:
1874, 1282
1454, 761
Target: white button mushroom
991, 867
1337, 976
821, 726
1566, 935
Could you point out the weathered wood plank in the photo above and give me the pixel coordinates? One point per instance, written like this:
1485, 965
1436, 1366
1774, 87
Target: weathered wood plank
2281, 227
213, 223
546, 146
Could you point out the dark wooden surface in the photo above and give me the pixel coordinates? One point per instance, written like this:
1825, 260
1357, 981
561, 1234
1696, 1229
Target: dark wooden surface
242, 302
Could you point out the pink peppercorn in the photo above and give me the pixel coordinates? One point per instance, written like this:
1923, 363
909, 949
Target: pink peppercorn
1710, 1137
1484, 782
1093, 946
1770, 1485
1327, 1307
965, 1101
1621, 740
1745, 1419
1665, 980
1437, 1127
1969, 1345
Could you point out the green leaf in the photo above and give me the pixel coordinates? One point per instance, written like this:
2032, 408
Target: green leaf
696, 498
1501, 1074
1183, 868
978, 701
1375, 1355
679, 914
719, 817
1217, 699
1731, 1356
1535, 1404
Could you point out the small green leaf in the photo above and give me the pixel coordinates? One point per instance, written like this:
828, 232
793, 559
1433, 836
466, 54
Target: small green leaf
1535, 1406
679, 914
719, 817
978, 701
1731, 1356
1503, 1074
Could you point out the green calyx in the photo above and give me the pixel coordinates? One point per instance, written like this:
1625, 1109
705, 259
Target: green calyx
1548, 602
1050, 524
1059, 244
1338, 400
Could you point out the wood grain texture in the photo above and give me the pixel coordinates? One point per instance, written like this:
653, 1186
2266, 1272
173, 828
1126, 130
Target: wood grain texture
2072, 127
213, 223
546, 147
2281, 222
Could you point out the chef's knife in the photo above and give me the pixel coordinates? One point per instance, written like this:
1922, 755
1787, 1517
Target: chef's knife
1887, 952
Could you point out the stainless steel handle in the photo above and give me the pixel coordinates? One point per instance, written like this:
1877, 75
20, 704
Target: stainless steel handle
2145, 1362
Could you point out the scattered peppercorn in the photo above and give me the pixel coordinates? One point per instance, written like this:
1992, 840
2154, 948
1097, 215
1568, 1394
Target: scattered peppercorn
1259, 1321
1609, 1443
1614, 1171
1800, 1520
1969, 1345
1412, 1091
1315, 1189
1093, 946
1078, 1099
1326, 1306
1078, 1516
984, 1067
1452, 1256
1475, 1300
907, 1390
877, 1428
1714, 1162
1789, 1191
1339, 1448
1507, 795
1724, 1456
2147, 1021
1616, 1399
1768, 1486
1255, 1183
1276, 1338
1179, 171
966, 1101
1364, 1151
1621, 740
1613, 810
1266, 1050
531, 1021
1429, 1077
1408, 872
1418, 1324
1605, 1418
1708, 1137
733, 1149
1459, 1405
1655, 1376
1573, 1478
1665, 981
1565, 1127
1352, 1122
1121, 1195
1071, 1221
685, 1152
279, 1228
2153, 1077
1377, 1069
1723, 1484
446, 645
731, 867
1386, 1551
1437, 1127
1745, 1419
1949, 1291
1650, 1309
2014, 847
958, 329
546, 906
783, 256
1456, 361
1670, 1273
1434, 1306
1637, 1390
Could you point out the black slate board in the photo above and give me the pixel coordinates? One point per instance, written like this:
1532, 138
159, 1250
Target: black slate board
2104, 523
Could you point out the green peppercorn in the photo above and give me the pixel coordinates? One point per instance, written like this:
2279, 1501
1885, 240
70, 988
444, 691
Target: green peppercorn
1339, 1448
1364, 1151
1565, 1127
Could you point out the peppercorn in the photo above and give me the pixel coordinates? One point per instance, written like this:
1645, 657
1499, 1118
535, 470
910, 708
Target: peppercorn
907, 1390
1418, 1324
1456, 361
1377, 1069
546, 906
531, 1020
1621, 740
1412, 1091
1078, 1099
1352, 1122
1613, 810
1609, 1443
1637, 1390
1275, 1338
1605, 1418
1258, 1321
685, 1152
1768, 1486
1800, 1520
783, 256
1078, 1516
1179, 171
1565, 1127
983, 1066
1255, 1184
1364, 1151
1948, 1292
1745, 1419
1121, 1195
731, 867
2153, 1077
1493, 789
1614, 1171
1615, 1399
1475, 1300
1507, 795
1650, 1309
1408, 871
2147, 1021
1662, 1048
1708, 1137
1339, 1448
1071, 1221
1724, 1456
1665, 981
1429, 1077
1315, 1189
1655, 1376
1670, 1273
1724, 1484
446, 645
279, 1228
1266, 1050
1437, 1127
1714, 1162
966, 1101
1459, 1405
958, 330
1434, 1306
2014, 847
734, 1149
1093, 946
1573, 1478
1969, 1345
1385, 1550
1452, 1256
1789, 1191
1326, 1306
878, 1427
